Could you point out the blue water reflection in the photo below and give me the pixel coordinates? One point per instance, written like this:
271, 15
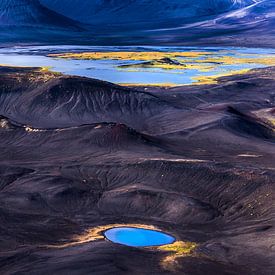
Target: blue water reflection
138, 237
109, 70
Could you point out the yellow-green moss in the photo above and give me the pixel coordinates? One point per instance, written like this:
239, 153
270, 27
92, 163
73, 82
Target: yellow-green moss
133, 56
178, 250
213, 79
96, 233
202, 61
179, 247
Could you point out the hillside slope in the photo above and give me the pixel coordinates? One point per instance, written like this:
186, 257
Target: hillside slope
227, 22
30, 13
134, 11
79, 156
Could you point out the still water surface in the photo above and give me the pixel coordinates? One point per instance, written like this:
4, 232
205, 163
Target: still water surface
109, 70
138, 237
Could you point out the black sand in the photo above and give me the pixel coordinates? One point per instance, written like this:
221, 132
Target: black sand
195, 161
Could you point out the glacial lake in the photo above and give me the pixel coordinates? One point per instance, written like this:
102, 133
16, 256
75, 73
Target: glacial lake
213, 61
138, 237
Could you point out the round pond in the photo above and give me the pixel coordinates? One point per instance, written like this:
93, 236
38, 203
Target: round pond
138, 237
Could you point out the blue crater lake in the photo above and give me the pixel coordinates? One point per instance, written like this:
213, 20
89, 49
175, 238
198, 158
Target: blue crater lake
138, 237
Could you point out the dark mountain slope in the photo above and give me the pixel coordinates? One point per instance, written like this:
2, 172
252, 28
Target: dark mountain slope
252, 25
29, 21
138, 11
67, 101
132, 22
176, 21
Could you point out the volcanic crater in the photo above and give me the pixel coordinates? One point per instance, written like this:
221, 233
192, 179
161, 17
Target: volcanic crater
79, 154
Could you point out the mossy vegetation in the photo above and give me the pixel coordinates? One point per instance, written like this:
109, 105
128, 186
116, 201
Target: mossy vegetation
172, 60
213, 79
179, 247
175, 250
218, 64
96, 233
133, 56
244, 59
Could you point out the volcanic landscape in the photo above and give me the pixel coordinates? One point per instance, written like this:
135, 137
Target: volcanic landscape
137, 137
79, 156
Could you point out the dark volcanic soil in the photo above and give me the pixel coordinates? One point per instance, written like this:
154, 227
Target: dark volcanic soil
194, 161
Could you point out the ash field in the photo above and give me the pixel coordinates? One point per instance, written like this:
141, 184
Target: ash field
79, 156
137, 137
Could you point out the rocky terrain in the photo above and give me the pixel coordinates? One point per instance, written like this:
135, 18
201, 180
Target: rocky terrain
132, 22
195, 161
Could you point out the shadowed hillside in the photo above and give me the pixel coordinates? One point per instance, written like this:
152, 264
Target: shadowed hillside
141, 11
226, 22
28, 20
79, 154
